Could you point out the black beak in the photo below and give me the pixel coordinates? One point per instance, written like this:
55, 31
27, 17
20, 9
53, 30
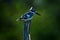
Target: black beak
38, 14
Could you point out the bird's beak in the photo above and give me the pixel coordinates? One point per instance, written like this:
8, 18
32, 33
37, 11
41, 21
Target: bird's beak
38, 14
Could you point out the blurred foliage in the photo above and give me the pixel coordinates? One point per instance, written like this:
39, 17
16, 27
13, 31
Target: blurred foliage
44, 27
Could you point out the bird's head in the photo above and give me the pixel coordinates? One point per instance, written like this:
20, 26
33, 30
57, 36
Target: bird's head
33, 10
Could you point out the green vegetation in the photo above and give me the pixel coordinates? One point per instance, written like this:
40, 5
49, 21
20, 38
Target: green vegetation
44, 27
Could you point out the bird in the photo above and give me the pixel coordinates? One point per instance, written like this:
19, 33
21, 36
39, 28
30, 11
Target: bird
26, 18
28, 15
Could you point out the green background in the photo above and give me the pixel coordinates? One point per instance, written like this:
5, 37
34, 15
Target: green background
44, 27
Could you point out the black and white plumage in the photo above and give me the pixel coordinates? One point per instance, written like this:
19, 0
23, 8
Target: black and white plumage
29, 15
26, 18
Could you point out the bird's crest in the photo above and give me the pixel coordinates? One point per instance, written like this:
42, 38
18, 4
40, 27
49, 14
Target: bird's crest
31, 8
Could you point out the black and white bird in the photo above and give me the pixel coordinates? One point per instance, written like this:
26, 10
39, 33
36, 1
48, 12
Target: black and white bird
29, 15
26, 18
